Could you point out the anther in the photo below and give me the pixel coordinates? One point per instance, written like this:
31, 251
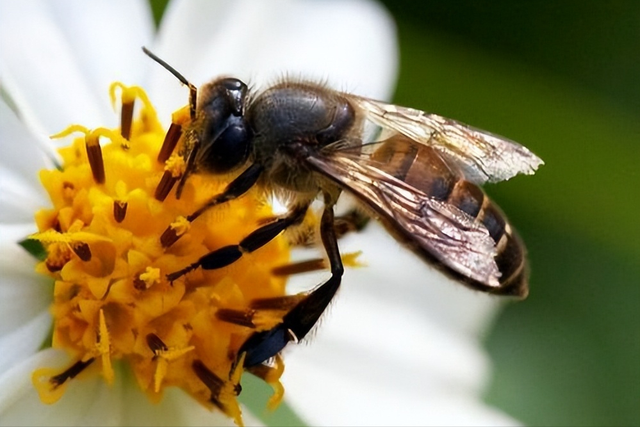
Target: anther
170, 141
82, 250
54, 265
126, 118
169, 237
299, 267
174, 231
72, 372
165, 185
213, 382
284, 303
119, 210
139, 284
156, 344
94, 154
237, 317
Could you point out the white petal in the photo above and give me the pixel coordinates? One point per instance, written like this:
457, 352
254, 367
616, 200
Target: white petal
87, 401
351, 45
176, 408
107, 36
23, 293
399, 332
21, 193
327, 397
394, 274
40, 71
23, 341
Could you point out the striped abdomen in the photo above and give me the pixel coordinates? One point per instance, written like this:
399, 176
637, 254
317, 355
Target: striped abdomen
424, 169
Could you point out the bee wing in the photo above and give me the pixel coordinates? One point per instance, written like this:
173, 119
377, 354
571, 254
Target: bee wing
479, 155
443, 231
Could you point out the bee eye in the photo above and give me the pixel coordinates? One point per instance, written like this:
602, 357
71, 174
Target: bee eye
229, 150
232, 84
236, 92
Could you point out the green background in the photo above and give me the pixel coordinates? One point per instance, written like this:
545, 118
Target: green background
562, 78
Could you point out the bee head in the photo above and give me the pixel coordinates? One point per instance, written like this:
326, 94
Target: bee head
225, 137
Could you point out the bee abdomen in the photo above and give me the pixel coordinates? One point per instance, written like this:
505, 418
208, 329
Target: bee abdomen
510, 254
423, 168
419, 166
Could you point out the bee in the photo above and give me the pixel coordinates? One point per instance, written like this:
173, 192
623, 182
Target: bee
419, 174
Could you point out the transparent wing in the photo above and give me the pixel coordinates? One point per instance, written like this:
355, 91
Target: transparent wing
479, 155
442, 230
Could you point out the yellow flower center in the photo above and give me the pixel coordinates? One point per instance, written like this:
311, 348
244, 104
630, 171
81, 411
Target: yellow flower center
115, 232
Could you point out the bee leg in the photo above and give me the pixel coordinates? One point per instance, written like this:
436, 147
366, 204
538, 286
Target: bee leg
261, 346
236, 188
227, 255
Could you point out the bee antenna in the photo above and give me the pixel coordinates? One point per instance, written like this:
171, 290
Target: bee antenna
193, 90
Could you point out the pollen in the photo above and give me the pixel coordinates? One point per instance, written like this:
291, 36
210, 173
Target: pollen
113, 303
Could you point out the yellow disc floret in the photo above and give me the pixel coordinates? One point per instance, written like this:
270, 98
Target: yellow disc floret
112, 301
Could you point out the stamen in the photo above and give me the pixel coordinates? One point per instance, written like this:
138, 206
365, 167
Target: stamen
169, 237
145, 280
164, 186
82, 250
163, 355
178, 120
126, 119
156, 344
283, 303
94, 154
349, 259
129, 94
70, 373
175, 230
59, 255
213, 382
51, 387
119, 210
174, 169
107, 257
237, 317
299, 267
170, 142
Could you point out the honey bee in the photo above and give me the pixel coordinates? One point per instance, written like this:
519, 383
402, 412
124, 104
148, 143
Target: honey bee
417, 173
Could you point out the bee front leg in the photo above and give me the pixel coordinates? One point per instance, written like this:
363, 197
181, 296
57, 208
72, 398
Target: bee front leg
236, 188
296, 324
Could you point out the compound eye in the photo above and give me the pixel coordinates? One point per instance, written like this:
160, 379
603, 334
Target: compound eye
236, 93
230, 150
232, 84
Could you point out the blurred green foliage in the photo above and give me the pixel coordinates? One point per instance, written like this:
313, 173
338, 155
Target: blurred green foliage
561, 78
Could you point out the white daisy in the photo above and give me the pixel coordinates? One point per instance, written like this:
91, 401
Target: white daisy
401, 343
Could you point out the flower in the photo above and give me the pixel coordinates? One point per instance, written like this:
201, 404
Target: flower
393, 350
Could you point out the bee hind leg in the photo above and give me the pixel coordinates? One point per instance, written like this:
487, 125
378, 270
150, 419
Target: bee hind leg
296, 324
